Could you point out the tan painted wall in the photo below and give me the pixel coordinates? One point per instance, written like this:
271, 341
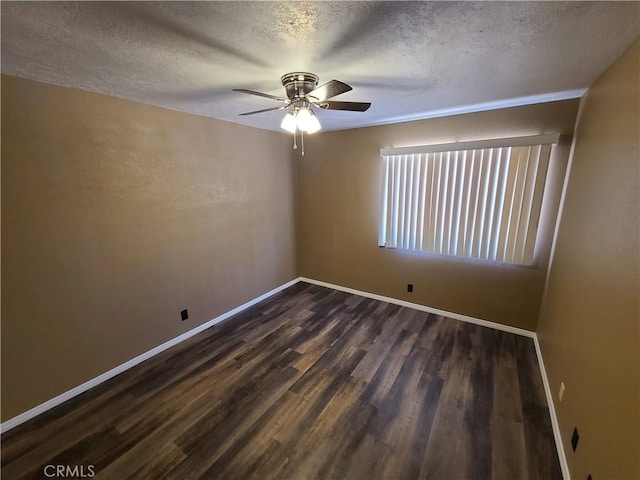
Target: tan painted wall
589, 328
339, 181
116, 216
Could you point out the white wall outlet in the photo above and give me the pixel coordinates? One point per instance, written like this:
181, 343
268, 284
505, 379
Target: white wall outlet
561, 392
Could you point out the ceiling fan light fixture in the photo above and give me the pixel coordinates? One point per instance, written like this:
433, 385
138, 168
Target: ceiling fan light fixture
289, 123
308, 122
303, 114
302, 119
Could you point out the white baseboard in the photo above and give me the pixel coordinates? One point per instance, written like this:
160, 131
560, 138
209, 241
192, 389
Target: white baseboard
63, 397
29, 414
497, 326
417, 306
552, 412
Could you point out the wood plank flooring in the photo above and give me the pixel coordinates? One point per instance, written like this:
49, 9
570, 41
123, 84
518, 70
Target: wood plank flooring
311, 383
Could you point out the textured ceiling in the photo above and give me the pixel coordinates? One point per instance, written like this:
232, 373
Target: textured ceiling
410, 59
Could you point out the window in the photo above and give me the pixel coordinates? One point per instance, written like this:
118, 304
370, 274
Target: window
478, 200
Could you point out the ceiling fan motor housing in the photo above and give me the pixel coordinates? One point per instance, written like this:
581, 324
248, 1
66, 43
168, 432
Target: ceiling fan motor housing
298, 84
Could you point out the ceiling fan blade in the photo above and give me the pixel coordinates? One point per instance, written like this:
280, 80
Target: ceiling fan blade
328, 90
265, 110
260, 94
352, 106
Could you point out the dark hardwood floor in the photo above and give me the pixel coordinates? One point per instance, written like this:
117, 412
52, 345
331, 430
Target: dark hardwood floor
311, 383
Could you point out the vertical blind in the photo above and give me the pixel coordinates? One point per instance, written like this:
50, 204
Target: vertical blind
477, 200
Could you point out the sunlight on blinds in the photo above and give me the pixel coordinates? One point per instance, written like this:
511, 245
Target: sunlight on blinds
473, 201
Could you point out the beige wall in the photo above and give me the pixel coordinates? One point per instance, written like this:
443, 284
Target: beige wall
589, 326
338, 191
116, 216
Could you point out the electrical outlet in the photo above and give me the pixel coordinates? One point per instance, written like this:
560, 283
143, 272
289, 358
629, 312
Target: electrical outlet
410, 287
184, 314
561, 392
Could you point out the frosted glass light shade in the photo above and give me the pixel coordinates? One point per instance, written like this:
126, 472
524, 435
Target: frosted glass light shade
289, 123
303, 115
307, 121
312, 124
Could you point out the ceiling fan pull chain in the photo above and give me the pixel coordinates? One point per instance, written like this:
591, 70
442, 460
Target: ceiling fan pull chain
295, 145
302, 141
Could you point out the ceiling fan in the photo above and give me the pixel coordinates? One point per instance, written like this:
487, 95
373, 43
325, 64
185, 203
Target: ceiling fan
303, 93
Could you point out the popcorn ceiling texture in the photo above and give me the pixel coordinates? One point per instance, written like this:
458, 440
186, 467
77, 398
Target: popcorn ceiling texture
407, 58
